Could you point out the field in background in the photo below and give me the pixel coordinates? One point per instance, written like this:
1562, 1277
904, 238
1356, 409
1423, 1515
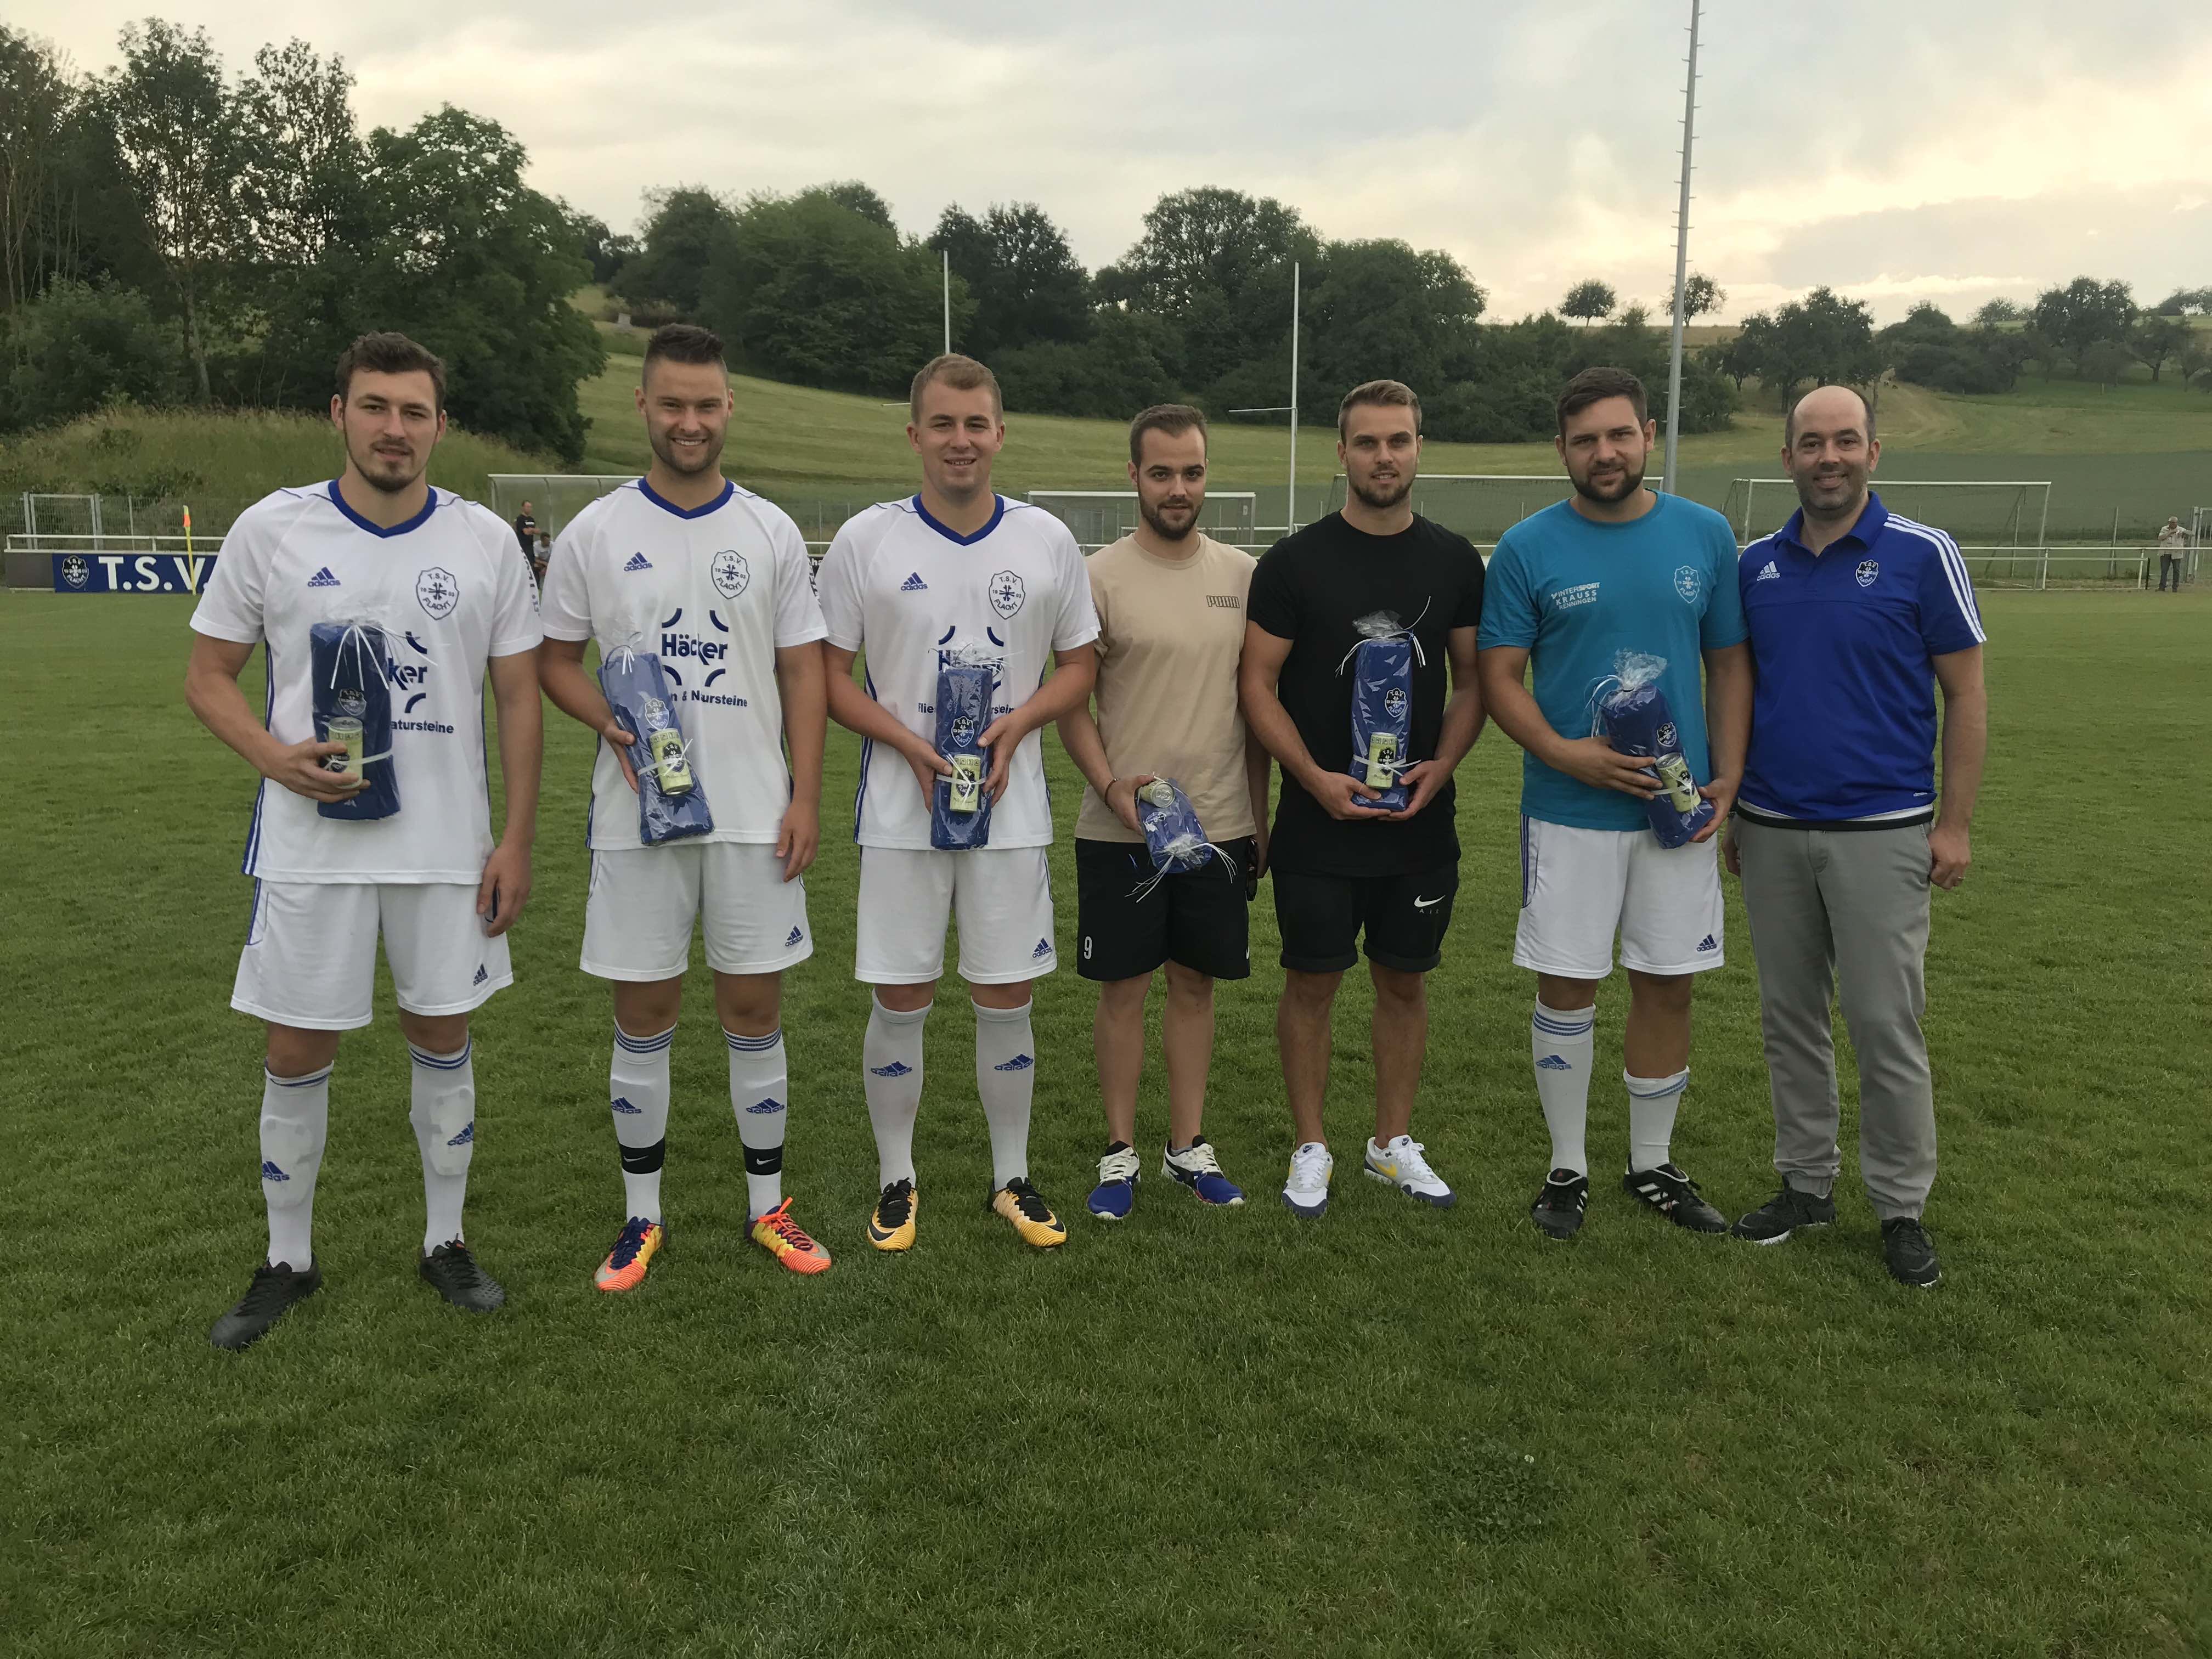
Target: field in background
1397, 1432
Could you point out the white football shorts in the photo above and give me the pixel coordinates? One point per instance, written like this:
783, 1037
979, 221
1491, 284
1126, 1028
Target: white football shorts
1000, 896
1580, 887
310, 955
644, 899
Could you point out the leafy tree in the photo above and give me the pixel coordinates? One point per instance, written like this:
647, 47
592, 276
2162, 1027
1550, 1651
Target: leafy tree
1121, 369
1027, 284
479, 267
38, 95
1822, 339
79, 346
863, 200
1382, 309
1739, 358
811, 291
602, 250
1215, 264
2156, 339
2196, 363
1999, 311
684, 227
2086, 313
1587, 301
2105, 362
174, 127
1701, 295
2185, 302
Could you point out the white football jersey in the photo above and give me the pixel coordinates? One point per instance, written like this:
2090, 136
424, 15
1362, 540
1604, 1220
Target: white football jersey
898, 585
716, 591
449, 593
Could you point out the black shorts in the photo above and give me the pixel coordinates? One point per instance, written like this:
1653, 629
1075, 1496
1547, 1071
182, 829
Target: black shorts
1404, 916
1198, 918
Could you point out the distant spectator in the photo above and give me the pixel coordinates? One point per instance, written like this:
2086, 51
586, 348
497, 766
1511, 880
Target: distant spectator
526, 529
540, 555
2172, 553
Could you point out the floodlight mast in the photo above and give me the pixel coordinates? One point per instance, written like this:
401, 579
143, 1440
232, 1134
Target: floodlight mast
1681, 260
948, 301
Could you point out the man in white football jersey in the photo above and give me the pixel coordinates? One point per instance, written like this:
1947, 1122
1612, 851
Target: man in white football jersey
954, 569
684, 564
441, 602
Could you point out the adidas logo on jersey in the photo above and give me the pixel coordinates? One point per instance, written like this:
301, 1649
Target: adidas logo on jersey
1019, 1063
467, 1137
323, 579
1768, 575
271, 1172
622, 1106
913, 584
638, 562
767, 1107
1043, 949
896, 1068
482, 976
1553, 1063
795, 937
1708, 943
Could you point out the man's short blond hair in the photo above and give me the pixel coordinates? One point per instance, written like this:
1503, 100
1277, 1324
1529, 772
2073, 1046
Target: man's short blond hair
1393, 394
962, 373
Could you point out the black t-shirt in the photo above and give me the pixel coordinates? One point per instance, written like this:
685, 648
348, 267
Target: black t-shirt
526, 531
1310, 589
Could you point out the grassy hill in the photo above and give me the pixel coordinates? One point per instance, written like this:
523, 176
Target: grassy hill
217, 462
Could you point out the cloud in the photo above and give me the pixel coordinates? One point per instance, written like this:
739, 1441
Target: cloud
1901, 151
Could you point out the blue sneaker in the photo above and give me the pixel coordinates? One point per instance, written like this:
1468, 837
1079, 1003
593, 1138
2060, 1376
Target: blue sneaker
1196, 1168
1115, 1194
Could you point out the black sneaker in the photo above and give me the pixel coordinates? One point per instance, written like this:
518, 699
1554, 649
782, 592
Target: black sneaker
1910, 1252
273, 1290
1675, 1195
1558, 1208
452, 1272
1783, 1214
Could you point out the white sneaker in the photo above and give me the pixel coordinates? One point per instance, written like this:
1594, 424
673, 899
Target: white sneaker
1400, 1163
1306, 1192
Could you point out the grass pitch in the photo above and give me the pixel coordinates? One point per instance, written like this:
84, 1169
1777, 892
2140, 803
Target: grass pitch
1395, 1432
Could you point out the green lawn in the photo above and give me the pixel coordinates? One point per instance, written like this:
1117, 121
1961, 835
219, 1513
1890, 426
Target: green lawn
1395, 1432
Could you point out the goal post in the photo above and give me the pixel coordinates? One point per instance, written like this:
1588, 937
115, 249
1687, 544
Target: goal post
2011, 514
1479, 506
554, 497
1098, 518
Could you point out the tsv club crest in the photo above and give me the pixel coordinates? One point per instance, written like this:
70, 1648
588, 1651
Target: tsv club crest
1393, 702
1007, 592
963, 730
76, 569
730, 572
1689, 582
352, 702
1868, 571
439, 591
1667, 738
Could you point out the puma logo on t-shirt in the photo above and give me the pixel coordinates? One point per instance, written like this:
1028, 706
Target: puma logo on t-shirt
1224, 601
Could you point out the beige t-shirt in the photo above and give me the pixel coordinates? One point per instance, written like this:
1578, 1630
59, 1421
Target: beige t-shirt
1170, 634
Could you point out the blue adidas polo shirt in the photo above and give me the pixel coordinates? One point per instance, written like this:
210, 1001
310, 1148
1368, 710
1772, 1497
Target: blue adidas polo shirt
1843, 724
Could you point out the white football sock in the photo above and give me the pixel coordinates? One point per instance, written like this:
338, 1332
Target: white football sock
295, 1118
760, 1091
1562, 1046
444, 1114
637, 1093
1651, 1105
1006, 1079
891, 1064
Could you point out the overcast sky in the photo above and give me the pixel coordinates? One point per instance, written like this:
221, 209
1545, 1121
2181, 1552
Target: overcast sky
1896, 150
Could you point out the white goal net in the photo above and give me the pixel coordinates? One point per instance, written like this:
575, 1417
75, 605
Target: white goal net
554, 497
2010, 515
1099, 517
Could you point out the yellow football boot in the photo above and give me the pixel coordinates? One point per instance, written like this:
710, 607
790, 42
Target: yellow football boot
784, 1239
1028, 1214
892, 1226
634, 1248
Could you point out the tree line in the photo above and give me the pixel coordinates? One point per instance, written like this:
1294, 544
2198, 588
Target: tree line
170, 232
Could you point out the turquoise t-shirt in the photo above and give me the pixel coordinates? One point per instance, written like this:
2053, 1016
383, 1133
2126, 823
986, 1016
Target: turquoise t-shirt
1576, 593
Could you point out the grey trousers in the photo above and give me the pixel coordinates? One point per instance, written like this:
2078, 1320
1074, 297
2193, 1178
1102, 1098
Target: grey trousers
1848, 907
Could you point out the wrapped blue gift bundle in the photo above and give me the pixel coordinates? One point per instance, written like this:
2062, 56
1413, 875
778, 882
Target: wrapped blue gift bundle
1382, 717
1173, 835
1635, 718
960, 806
351, 692
671, 805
